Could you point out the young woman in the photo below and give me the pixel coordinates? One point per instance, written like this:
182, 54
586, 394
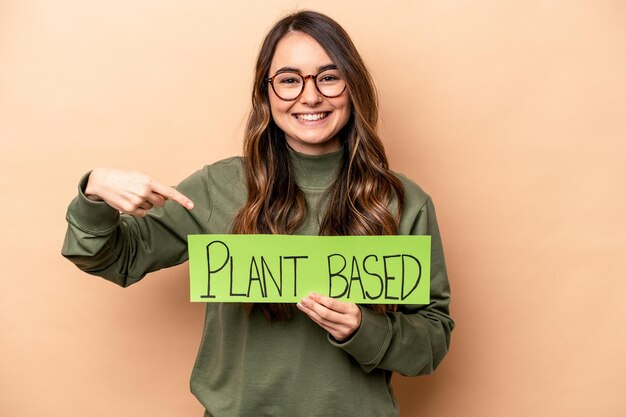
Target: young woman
312, 164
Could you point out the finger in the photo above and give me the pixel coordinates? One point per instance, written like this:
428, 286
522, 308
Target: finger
139, 212
338, 332
146, 205
332, 303
172, 194
330, 327
133, 204
349, 314
157, 200
333, 332
322, 311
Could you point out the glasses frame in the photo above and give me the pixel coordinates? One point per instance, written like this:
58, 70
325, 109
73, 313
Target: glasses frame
304, 78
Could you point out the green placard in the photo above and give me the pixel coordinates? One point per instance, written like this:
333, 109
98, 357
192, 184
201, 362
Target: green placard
286, 268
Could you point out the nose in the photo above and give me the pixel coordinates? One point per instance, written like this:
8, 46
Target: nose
310, 95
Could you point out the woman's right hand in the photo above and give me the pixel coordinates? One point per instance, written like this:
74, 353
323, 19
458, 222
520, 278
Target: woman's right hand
130, 191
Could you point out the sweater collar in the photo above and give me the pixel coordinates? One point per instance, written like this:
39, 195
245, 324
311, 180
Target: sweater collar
314, 171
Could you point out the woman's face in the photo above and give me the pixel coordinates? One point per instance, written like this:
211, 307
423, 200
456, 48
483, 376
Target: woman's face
310, 122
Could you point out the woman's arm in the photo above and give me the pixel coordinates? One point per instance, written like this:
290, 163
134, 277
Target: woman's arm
124, 248
411, 341
131, 191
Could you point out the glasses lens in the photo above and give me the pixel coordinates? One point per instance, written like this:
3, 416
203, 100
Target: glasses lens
287, 85
330, 83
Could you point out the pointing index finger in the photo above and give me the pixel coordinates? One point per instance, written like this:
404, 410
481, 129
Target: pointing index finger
172, 194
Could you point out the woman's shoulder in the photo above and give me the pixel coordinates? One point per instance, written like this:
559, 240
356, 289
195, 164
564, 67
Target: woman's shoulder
225, 169
414, 195
228, 171
233, 162
417, 208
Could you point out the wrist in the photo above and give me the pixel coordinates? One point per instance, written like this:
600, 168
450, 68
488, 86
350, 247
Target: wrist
90, 189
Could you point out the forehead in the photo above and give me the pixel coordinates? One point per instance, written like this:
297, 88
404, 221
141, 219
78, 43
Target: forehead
301, 51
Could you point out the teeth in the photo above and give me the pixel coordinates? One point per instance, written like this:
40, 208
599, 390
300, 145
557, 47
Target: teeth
312, 117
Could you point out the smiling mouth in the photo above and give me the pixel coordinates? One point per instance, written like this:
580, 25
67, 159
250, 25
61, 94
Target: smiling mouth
311, 117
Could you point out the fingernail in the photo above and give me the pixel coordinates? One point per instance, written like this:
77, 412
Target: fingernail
189, 205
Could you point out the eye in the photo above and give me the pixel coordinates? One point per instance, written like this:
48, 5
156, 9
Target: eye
328, 77
288, 79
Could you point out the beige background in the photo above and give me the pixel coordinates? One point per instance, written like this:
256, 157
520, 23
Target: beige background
511, 114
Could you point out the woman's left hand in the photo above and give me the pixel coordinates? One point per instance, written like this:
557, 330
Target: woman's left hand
339, 318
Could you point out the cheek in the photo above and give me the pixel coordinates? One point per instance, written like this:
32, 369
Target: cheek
279, 108
346, 107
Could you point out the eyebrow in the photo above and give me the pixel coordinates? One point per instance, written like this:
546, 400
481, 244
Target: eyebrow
319, 69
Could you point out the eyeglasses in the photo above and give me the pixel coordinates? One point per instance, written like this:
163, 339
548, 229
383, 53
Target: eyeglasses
289, 85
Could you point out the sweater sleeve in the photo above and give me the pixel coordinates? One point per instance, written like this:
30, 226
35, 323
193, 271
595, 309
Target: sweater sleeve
413, 340
122, 248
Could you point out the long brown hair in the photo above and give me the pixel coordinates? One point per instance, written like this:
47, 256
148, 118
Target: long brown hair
359, 199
